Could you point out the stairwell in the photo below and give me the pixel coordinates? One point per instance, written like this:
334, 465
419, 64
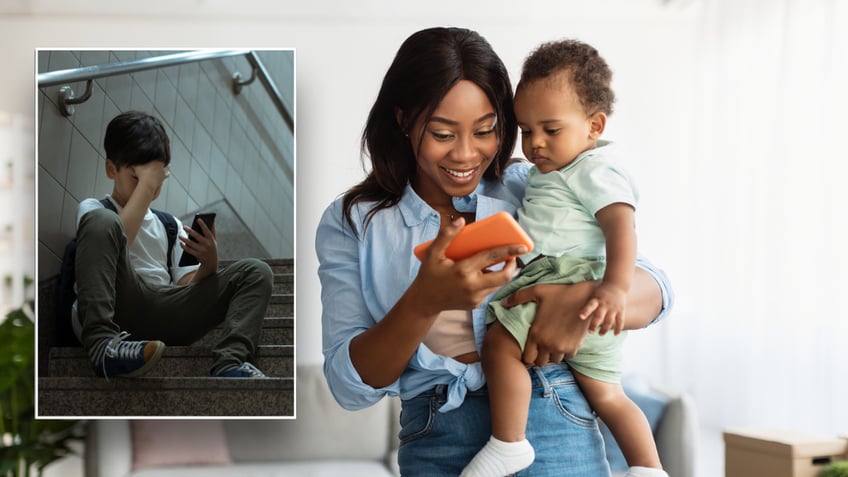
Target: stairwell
179, 384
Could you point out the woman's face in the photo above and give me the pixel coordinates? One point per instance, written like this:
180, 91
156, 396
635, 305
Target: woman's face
455, 146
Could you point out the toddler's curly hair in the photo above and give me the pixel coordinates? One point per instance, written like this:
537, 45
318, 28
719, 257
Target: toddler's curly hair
587, 71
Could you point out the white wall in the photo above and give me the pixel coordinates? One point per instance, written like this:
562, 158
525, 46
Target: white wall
670, 63
17, 187
341, 58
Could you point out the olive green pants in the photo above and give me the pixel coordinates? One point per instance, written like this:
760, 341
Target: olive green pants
111, 297
600, 356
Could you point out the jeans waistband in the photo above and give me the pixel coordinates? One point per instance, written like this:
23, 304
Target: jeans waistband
440, 392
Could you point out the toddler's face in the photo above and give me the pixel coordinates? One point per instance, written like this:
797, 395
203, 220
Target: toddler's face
554, 127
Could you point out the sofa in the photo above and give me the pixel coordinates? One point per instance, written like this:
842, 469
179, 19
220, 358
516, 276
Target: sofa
323, 441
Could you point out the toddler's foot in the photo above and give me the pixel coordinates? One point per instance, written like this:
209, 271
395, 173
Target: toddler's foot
498, 459
645, 472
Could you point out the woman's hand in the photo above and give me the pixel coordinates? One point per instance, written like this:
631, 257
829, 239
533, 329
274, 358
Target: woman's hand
381, 353
464, 284
557, 331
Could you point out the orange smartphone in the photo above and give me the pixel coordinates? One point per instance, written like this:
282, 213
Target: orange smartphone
494, 231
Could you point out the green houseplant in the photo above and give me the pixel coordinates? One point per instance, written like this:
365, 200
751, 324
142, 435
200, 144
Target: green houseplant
836, 469
25, 442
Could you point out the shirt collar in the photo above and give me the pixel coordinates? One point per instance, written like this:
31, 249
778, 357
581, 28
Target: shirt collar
416, 211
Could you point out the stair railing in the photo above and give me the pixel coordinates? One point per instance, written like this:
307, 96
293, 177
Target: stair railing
68, 99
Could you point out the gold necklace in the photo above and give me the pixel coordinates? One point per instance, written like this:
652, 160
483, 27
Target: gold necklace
453, 214
450, 215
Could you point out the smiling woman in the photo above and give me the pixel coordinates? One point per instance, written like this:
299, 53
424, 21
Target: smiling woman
454, 147
440, 148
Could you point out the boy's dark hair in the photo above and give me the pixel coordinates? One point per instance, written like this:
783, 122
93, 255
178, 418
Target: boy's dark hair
427, 65
134, 138
587, 71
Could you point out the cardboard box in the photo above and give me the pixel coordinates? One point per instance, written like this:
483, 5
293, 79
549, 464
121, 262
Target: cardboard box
775, 453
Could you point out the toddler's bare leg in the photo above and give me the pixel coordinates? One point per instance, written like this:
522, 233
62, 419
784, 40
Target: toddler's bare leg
508, 450
508, 382
624, 419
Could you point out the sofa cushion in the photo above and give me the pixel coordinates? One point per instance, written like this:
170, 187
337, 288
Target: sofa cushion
328, 468
677, 438
322, 429
178, 443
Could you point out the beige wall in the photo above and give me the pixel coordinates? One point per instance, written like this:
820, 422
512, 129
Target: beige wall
235, 148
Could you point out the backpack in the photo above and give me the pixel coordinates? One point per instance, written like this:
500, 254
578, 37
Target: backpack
65, 293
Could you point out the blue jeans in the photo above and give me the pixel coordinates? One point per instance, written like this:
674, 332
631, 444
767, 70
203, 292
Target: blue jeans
562, 429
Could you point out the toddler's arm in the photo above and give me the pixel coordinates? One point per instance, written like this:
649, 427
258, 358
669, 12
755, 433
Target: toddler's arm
607, 302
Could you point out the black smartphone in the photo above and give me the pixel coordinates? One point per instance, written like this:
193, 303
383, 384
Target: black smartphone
188, 259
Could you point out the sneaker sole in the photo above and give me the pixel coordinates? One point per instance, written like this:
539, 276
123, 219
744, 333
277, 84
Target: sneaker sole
148, 365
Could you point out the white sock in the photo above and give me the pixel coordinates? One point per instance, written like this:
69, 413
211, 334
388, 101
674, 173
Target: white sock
498, 459
636, 471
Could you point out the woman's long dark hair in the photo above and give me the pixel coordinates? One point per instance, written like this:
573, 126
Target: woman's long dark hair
427, 65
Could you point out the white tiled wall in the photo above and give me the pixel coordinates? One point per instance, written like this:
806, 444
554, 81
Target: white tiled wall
223, 146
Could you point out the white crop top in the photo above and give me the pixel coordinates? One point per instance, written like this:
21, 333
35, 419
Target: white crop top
452, 334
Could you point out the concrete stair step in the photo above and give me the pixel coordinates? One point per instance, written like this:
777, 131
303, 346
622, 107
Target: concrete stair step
281, 304
283, 283
179, 385
280, 307
177, 361
280, 298
164, 396
276, 330
278, 265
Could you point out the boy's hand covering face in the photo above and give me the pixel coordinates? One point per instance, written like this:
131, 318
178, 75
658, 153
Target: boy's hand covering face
152, 173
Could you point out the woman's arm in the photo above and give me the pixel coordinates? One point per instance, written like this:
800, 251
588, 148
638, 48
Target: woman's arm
365, 357
558, 331
381, 353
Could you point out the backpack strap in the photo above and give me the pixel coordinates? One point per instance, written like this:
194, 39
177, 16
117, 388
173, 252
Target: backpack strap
171, 230
108, 204
168, 220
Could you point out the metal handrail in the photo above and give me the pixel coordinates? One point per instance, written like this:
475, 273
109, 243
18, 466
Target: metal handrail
67, 98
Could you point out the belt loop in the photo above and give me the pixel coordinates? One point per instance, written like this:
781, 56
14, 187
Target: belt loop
441, 392
546, 386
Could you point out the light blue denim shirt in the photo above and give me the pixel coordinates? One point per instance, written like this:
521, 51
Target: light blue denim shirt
363, 276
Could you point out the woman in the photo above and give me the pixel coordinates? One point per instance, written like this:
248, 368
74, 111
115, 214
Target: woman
439, 138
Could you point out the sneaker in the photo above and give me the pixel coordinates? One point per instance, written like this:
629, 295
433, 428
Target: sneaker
243, 370
116, 357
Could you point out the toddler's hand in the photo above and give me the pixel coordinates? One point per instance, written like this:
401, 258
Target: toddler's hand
605, 308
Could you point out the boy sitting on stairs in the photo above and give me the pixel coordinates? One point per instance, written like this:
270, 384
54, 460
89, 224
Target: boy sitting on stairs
125, 285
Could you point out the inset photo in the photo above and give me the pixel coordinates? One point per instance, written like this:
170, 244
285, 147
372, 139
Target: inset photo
165, 233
